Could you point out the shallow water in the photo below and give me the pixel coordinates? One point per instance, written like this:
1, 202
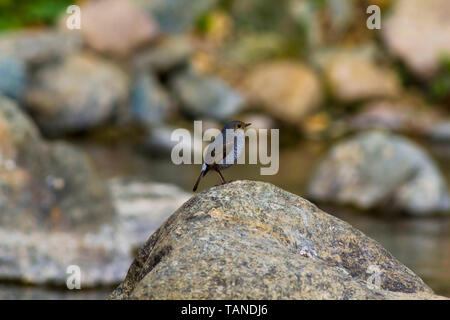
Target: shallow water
422, 244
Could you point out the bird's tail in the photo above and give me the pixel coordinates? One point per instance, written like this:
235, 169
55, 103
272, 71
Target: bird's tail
202, 174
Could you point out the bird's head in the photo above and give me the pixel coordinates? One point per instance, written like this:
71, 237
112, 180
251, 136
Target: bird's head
236, 125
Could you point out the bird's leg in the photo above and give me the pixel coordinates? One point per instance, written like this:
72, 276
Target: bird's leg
221, 176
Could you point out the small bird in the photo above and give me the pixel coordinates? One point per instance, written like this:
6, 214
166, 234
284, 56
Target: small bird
224, 151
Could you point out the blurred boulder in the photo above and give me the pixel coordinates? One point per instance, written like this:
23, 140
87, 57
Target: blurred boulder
440, 132
116, 26
80, 93
150, 103
177, 16
287, 90
252, 240
13, 77
383, 171
399, 116
164, 55
46, 186
133, 199
352, 77
35, 47
419, 33
205, 96
159, 143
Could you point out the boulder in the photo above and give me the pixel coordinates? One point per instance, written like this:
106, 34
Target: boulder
353, 77
440, 132
205, 96
418, 32
13, 77
116, 27
396, 115
287, 90
80, 93
48, 186
378, 170
164, 55
252, 240
177, 16
150, 102
35, 47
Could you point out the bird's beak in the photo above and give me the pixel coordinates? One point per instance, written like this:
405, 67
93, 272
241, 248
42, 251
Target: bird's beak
247, 124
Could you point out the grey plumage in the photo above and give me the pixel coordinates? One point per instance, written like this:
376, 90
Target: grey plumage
224, 151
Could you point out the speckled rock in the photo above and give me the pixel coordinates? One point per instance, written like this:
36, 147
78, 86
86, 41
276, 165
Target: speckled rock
418, 32
383, 171
76, 95
252, 240
287, 90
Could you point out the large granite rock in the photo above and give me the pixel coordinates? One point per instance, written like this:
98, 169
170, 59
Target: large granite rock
80, 93
252, 240
383, 171
418, 32
287, 90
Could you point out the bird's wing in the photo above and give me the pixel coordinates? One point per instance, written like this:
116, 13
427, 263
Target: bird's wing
219, 149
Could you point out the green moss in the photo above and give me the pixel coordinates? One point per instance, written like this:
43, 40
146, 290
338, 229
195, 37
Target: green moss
440, 85
16, 14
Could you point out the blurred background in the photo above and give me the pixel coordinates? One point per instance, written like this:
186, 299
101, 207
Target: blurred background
87, 114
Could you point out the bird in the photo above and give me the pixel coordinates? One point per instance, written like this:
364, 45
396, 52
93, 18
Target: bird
224, 151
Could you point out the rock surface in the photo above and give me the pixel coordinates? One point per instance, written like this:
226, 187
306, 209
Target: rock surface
76, 95
116, 26
383, 171
252, 240
287, 90
419, 33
